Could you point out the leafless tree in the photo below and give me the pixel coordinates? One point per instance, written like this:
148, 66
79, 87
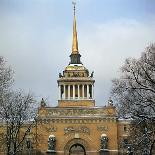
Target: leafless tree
16, 112
134, 92
6, 77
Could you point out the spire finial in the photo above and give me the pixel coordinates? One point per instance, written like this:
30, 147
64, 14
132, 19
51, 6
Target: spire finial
74, 4
75, 40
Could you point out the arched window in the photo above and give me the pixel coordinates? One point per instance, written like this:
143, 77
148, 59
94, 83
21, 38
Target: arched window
77, 149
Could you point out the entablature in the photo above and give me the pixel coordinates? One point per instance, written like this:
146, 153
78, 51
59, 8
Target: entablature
78, 111
76, 79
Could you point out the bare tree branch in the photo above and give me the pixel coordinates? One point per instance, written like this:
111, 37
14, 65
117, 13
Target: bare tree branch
134, 93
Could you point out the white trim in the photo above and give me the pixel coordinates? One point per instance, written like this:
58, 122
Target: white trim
114, 150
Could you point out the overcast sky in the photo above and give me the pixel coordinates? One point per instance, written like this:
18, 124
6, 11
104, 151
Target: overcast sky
36, 39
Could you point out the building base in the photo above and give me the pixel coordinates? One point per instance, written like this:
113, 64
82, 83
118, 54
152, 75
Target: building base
51, 152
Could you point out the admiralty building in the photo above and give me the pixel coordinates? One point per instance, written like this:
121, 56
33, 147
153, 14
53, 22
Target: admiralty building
76, 125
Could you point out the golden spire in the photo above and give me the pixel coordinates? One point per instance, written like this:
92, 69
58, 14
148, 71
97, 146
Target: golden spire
75, 40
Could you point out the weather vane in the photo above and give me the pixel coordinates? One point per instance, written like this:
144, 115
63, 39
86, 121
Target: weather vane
74, 4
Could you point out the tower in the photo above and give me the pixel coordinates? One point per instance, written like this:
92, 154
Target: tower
76, 85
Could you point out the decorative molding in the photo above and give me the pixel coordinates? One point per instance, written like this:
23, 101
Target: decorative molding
80, 129
51, 129
79, 112
78, 120
102, 128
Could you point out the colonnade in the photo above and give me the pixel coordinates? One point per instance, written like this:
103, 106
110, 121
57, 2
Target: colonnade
77, 91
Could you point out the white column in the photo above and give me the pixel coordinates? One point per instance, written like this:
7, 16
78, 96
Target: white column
78, 92
73, 91
83, 91
64, 92
87, 91
69, 92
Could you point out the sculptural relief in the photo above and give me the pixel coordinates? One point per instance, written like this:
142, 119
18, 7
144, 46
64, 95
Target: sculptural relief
104, 141
81, 129
51, 129
76, 112
102, 128
51, 143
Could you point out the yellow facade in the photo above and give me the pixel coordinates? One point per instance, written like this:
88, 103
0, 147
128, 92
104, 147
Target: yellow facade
81, 125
